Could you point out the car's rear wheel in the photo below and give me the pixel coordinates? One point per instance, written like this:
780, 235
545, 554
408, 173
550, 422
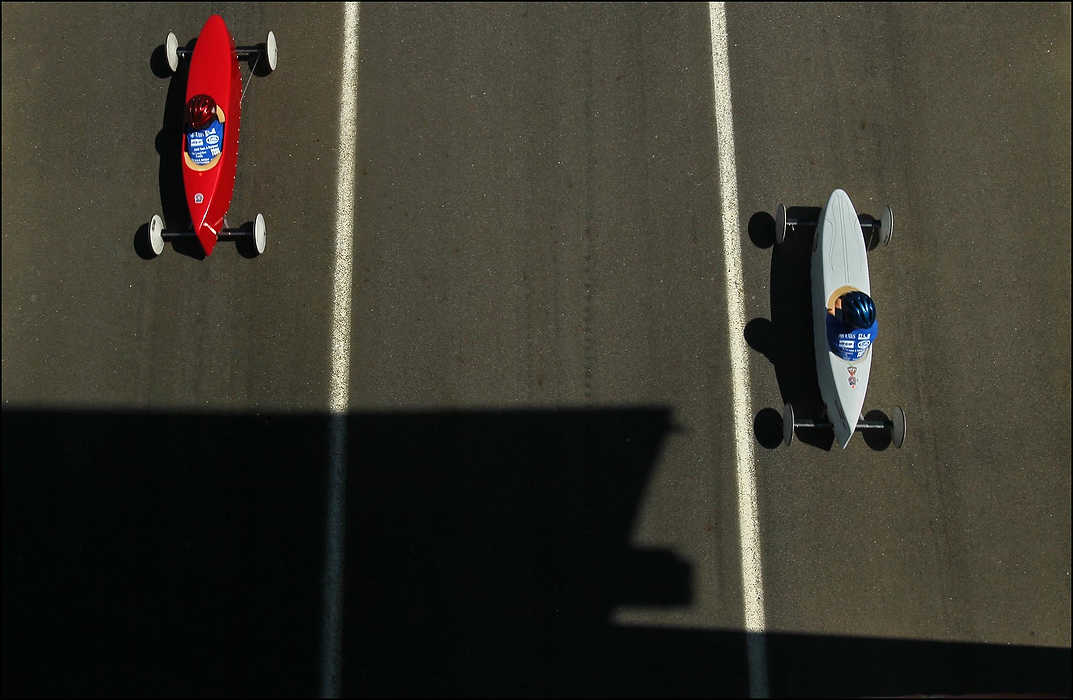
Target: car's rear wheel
260, 234
270, 51
156, 234
171, 47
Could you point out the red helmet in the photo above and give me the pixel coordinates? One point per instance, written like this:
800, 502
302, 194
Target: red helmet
200, 111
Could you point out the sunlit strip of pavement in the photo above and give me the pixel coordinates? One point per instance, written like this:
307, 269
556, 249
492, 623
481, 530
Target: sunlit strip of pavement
338, 395
752, 577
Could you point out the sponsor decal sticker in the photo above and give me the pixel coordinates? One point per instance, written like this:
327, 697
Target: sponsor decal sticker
203, 146
199, 198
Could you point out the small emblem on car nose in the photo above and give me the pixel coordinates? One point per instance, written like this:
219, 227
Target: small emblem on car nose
199, 198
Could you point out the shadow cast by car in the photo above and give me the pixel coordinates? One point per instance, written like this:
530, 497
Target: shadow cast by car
245, 244
786, 339
258, 63
142, 246
175, 213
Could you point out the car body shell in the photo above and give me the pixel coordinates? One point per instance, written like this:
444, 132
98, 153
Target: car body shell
214, 71
839, 264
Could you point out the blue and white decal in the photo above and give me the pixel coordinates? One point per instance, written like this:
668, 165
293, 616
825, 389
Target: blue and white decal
205, 145
849, 343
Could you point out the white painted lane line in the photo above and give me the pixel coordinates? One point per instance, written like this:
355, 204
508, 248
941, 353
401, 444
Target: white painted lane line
339, 382
752, 577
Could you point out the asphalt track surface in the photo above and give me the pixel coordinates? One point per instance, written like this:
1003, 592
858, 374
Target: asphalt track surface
541, 474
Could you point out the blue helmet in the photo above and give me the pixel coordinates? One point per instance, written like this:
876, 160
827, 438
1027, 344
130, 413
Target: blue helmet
858, 310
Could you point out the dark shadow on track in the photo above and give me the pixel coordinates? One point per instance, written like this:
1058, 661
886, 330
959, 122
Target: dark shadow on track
878, 440
786, 340
158, 62
258, 64
495, 546
182, 554
168, 146
142, 246
767, 427
246, 246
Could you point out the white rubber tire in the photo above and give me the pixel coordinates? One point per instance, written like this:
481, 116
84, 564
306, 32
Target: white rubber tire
171, 47
260, 234
156, 234
270, 51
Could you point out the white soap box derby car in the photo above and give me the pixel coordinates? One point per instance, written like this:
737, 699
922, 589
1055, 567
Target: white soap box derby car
839, 264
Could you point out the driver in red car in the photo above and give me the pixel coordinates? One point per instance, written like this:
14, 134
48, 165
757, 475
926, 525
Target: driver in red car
204, 131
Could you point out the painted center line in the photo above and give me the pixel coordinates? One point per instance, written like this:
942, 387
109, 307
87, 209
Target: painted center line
752, 577
339, 382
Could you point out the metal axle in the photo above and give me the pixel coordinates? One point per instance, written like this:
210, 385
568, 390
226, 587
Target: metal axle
227, 234
896, 425
230, 234
861, 424
243, 51
868, 223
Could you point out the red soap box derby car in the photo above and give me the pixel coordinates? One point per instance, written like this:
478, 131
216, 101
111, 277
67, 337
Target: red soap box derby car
209, 142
